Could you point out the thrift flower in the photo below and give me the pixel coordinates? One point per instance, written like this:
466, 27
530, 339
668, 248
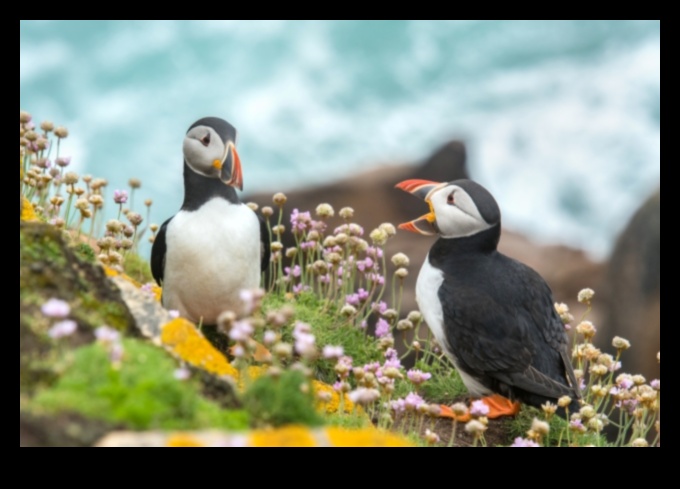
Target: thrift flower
330, 351
181, 373
479, 408
62, 328
523, 443
120, 196
382, 328
56, 308
105, 334
417, 377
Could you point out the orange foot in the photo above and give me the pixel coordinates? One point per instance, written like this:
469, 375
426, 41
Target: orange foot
498, 406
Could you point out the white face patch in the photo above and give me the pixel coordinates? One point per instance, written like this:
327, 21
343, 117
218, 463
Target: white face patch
202, 147
427, 296
456, 214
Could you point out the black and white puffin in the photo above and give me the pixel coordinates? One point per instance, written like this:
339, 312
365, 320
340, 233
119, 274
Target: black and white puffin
215, 246
493, 316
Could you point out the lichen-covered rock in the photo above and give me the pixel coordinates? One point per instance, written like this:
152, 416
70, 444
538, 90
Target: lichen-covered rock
287, 436
49, 268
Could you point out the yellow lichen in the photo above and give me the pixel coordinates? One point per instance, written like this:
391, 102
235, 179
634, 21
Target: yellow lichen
27, 211
111, 272
333, 404
287, 436
341, 437
190, 345
184, 440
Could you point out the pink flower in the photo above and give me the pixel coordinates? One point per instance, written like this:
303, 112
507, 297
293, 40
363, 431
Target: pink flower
241, 331
173, 313
181, 373
105, 334
522, 442
362, 395
56, 308
392, 359
374, 252
417, 377
413, 400
295, 271
398, 405
269, 337
62, 328
120, 196
382, 328
479, 408
379, 307
330, 351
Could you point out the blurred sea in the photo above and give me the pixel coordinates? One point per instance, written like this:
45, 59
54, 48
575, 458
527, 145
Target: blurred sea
562, 119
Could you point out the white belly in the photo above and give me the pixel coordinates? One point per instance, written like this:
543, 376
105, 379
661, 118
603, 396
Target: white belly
212, 254
427, 297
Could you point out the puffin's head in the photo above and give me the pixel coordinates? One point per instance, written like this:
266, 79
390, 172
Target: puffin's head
210, 150
457, 209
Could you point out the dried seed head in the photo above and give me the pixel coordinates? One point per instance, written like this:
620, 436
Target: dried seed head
276, 246
639, 442
564, 401
400, 260
621, 344
414, 316
153, 228
404, 325
475, 428
24, 117
135, 183
114, 226
96, 200
134, 218
47, 126
71, 178
586, 328
253, 206
378, 236
291, 252
267, 211
279, 199
585, 296
346, 213
61, 132
540, 427
388, 229
324, 211
348, 310
279, 229
401, 273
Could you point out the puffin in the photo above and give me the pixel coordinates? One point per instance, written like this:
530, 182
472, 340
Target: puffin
493, 316
215, 246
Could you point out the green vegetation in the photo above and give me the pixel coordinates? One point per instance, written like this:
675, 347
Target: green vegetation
140, 393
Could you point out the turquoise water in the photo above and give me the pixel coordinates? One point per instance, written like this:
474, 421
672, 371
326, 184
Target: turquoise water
562, 118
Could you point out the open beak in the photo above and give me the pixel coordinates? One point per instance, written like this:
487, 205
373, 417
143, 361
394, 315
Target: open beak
230, 168
426, 224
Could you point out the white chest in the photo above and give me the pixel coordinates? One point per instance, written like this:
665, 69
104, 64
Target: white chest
212, 254
429, 281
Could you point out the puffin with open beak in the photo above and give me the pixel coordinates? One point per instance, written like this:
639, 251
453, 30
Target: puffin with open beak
215, 246
493, 316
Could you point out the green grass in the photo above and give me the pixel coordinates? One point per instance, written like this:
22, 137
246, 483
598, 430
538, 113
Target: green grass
141, 394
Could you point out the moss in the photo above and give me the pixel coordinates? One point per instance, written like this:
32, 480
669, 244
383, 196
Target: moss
85, 251
287, 399
138, 268
141, 394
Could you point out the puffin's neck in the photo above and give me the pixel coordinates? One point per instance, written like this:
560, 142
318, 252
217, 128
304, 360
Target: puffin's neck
447, 250
199, 189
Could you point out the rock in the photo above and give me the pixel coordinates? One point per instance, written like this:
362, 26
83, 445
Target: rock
633, 278
49, 268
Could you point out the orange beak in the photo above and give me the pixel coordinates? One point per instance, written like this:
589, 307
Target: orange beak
427, 223
231, 172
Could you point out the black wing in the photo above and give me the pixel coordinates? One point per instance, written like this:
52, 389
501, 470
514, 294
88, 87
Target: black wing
508, 329
158, 254
265, 244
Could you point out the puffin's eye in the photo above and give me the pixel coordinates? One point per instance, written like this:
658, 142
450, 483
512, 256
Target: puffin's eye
205, 139
449, 199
